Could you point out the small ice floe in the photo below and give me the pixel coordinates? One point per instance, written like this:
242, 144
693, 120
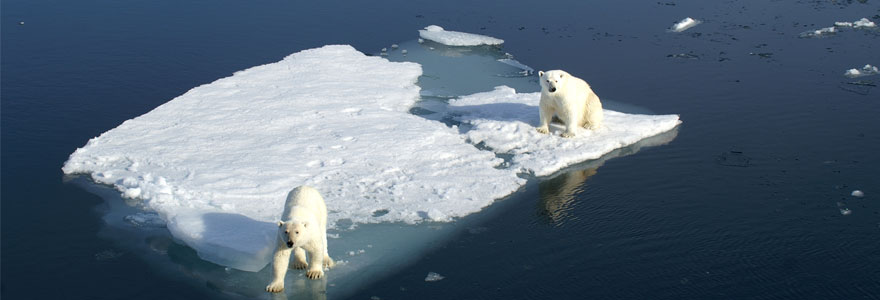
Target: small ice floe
858, 193
21, 23
864, 23
845, 211
684, 56
867, 70
819, 33
403, 51
433, 277
455, 38
394, 46
684, 24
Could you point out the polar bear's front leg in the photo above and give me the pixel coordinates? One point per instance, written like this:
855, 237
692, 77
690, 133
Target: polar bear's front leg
299, 259
546, 116
279, 267
316, 266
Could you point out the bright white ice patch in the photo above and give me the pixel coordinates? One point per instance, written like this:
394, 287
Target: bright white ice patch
863, 23
684, 24
217, 162
505, 121
867, 70
455, 38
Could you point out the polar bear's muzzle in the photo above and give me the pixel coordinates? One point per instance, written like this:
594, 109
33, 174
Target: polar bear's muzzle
289, 244
552, 89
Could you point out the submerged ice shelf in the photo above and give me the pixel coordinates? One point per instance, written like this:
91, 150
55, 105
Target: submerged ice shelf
378, 138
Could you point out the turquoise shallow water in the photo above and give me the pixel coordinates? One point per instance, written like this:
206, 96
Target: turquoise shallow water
746, 200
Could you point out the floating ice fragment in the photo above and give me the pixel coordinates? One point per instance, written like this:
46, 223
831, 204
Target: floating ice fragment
858, 193
845, 211
867, 70
819, 33
455, 38
843, 24
683, 55
394, 46
684, 24
864, 22
403, 51
433, 277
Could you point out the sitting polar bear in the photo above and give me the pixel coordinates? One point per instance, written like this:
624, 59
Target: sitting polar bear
569, 98
303, 227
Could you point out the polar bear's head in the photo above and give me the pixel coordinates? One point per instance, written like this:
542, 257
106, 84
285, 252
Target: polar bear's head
293, 233
552, 80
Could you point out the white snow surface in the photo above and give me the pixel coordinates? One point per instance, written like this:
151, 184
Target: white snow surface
505, 121
455, 38
684, 24
217, 162
867, 70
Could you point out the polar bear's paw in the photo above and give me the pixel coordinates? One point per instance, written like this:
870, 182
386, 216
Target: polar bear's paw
328, 262
315, 274
543, 130
568, 134
275, 287
300, 265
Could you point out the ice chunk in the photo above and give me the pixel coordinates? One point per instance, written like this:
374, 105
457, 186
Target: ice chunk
455, 38
684, 24
819, 33
864, 23
858, 193
217, 162
867, 70
505, 121
433, 277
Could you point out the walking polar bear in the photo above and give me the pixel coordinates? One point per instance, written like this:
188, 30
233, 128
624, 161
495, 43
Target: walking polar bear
569, 98
303, 227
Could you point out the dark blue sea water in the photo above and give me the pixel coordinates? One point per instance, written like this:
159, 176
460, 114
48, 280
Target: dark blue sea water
750, 200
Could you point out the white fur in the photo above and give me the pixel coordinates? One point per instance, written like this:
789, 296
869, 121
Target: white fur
304, 225
569, 98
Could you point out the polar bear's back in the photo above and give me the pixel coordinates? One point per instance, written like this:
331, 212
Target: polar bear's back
304, 198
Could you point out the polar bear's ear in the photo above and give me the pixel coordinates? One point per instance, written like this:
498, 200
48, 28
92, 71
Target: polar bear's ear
280, 223
306, 224
540, 73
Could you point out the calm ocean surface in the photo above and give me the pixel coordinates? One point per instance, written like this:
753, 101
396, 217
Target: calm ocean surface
751, 199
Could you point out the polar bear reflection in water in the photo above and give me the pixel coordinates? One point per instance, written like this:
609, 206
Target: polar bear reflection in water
558, 193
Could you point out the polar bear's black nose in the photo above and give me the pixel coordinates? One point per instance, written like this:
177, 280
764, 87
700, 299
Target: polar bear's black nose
553, 89
289, 244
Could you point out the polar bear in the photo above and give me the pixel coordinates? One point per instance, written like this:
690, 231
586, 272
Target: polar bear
569, 98
303, 227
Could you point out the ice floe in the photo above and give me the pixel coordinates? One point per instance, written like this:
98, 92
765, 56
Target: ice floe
455, 38
867, 70
505, 121
684, 24
432, 276
216, 162
858, 193
863, 23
